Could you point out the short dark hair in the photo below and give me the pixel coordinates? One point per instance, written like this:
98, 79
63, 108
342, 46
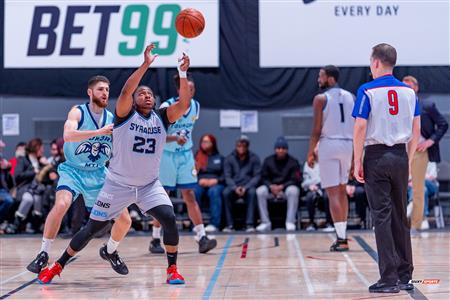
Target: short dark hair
385, 53
176, 79
21, 144
332, 71
97, 78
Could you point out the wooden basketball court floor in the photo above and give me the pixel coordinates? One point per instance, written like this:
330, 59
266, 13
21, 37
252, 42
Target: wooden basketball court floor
244, 266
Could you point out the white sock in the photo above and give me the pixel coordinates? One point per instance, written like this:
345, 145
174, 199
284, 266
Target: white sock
200, 231
111, 246
341, 228
156, 232
46, 244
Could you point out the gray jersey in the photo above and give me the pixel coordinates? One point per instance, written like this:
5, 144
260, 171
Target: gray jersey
138, 143
337, 122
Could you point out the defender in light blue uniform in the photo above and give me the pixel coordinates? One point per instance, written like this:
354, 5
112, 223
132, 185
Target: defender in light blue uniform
178, 160
84, 170
178, 169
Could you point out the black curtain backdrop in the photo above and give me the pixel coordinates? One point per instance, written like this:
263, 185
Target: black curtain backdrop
239, 82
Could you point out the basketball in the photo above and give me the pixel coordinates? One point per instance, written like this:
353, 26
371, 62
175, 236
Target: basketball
190, 23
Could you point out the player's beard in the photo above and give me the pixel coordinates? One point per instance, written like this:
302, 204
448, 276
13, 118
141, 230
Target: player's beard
99, 102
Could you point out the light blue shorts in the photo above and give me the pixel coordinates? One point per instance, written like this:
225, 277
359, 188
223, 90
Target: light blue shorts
178, 170
81, 182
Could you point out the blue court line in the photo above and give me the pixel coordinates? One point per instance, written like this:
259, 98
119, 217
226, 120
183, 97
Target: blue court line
416, 294
219, 266
26, 284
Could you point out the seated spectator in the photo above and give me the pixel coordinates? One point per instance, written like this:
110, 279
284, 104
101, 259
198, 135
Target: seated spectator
29, 190
6, 184
209, 164
280, 176
315, 197
242, 173
355, 192
20, 152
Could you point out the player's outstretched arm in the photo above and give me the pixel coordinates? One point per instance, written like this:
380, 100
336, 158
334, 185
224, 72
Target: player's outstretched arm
71, 132
318, 104
125, 100
175, 111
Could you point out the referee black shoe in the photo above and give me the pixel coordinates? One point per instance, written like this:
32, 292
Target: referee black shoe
405, 286
114, 259
155, 247
383, 288
205, 244
38, 263
340, 245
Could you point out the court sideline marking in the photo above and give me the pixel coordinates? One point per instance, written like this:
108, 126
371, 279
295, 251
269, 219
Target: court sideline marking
218, 269
352, 265
416, 294
309, 285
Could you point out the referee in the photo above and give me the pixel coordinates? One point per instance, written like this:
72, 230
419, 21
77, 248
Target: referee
388, 125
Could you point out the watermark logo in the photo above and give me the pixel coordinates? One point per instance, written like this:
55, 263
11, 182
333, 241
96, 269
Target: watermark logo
425, 281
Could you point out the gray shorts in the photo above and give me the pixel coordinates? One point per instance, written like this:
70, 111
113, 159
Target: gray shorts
114, 197
335, 161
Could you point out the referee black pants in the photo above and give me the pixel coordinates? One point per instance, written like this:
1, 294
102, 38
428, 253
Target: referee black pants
386, 176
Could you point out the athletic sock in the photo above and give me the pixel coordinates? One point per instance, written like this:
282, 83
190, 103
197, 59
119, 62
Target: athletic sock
64, 258
341, 228
46, 244
172, 258
200, 231
156, 232
111, 246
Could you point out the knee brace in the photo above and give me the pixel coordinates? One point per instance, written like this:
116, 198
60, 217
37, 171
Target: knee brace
165, 215
85, 235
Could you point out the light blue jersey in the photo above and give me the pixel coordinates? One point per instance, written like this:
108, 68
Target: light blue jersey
83, 172
184, 126
93, 153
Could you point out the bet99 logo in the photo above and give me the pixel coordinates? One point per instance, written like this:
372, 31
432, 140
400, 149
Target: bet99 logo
49, 24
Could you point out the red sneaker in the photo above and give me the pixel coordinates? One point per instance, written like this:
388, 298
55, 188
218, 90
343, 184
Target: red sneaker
46, 275
173, 277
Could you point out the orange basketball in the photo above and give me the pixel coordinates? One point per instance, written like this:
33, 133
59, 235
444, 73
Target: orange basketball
190, 23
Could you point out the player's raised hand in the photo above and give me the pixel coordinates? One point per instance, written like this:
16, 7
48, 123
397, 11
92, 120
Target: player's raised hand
183, 63
148, 56
106, 130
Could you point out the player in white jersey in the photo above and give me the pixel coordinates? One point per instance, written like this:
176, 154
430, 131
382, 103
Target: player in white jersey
387, 128
333, 130
87, 148
178, 169
139, 137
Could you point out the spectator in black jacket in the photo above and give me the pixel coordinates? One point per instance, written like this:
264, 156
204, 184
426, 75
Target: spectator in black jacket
281, 179
29, 190
209, 165
6, 183
432, 128
242, 173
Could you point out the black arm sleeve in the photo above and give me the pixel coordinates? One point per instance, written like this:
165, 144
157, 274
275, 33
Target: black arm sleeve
440, 121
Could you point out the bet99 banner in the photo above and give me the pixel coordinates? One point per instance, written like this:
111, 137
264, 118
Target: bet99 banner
104, 34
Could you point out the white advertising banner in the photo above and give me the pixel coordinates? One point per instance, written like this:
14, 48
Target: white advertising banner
104, 34
312, 33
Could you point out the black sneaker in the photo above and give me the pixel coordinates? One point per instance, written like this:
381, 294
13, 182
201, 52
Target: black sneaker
38, 263
205, 244
405, 286
383, 288
339, 246
117, 263
155, 246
